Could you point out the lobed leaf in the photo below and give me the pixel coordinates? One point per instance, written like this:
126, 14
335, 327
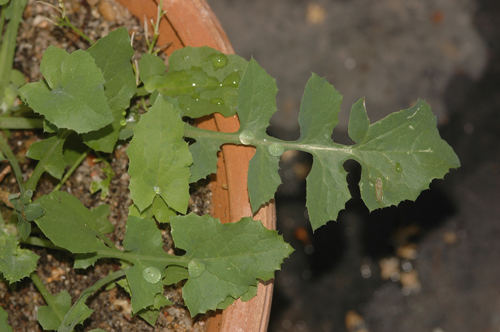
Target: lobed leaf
15, 263
73, 95
159, 159
400, 155
113, 54
225, 259
68, 223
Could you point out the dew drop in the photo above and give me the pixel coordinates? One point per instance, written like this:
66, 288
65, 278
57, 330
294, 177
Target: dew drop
157, 190
399, 169
232, 80
217, 101
218, 60
276, 149
124, 113
196, 267
247, 137
151, 274
195, 96
123, 122
185, 57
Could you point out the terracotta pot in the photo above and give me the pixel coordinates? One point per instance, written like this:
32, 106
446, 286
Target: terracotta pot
192, 23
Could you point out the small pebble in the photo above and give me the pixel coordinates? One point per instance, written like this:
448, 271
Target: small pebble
107, 11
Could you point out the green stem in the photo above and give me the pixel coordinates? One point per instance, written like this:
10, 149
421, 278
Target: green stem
71, 170
2, 20
8, 47
40, 167
265, 141
13, 163
68, 326
8, 122
66, 23
49, 299
131, 257
36, 241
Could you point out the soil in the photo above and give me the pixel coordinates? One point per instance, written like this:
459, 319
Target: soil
112, 310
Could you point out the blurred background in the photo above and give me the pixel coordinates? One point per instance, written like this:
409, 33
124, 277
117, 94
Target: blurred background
430, 265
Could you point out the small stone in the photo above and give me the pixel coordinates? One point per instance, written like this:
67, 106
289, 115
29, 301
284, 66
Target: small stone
107, 11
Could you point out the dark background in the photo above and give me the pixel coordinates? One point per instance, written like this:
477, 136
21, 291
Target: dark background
445, 247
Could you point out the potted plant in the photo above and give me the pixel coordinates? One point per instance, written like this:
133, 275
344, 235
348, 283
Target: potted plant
95, 88
192, 23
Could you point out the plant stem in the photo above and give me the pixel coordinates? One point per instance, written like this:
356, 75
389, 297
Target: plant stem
8, 45
49, 299
13, 162
36, 241
66, 23
71, 170
131, 257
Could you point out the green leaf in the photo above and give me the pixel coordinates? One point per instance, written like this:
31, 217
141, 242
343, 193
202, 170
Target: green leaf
112, 55
174, 274
204, 154
405, 152
51, 317
150, 314
15, 263
25, 211
225, 259
68, 223
150, 65
252, 292
159, 209
159, 159
49, 152
73, 95
204, 80
100, 215
143, 238
3, 321
256, 100
400, 155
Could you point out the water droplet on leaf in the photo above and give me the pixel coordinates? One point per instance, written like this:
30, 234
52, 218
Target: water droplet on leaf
232, 79
157, 190
196, 267
151, 274
247, 137
123, 122
276, 149
218, 60
124, 113
217, 101
399, 169
184, 57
